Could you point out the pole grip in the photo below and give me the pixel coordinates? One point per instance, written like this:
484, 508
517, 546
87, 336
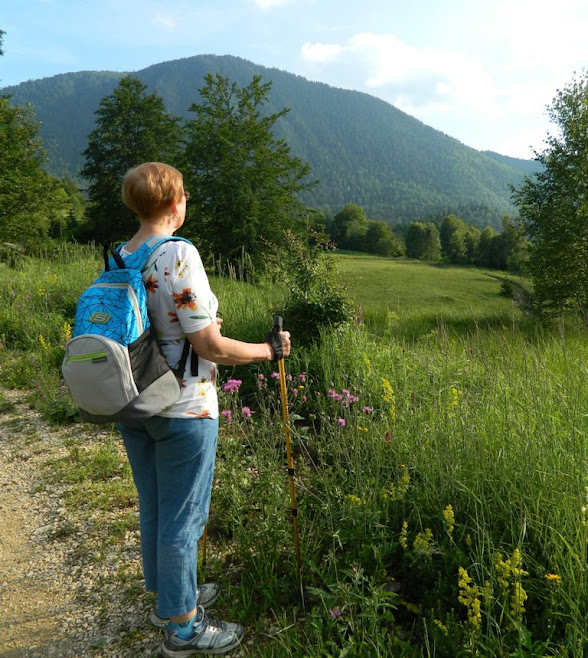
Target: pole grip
278, 323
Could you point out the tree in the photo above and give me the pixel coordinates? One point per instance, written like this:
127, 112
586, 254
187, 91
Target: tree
349, 227
422, 241
553, 207
453, 246
512, 247
28, 195
485, 247
432, 249
131, 127
472, 243
245, 182
379, 239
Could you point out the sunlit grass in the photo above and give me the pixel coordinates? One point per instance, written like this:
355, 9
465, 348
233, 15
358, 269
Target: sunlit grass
440, 450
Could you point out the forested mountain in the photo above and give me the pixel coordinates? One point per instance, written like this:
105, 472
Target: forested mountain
361, 149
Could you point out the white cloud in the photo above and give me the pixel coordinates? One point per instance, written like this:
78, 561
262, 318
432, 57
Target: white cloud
413, 79
320, 52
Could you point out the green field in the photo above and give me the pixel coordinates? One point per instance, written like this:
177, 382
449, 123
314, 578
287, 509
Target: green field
440, 447
412, 297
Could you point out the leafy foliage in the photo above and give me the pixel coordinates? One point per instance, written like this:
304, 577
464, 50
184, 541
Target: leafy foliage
246, 181
29, 197
422, 241
132, 127
553, 206
316, 299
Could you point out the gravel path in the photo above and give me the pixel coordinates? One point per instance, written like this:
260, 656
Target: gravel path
56, 598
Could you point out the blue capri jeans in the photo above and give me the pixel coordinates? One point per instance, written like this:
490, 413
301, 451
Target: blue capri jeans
172, 460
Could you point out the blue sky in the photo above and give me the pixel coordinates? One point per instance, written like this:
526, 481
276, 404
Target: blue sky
482, 71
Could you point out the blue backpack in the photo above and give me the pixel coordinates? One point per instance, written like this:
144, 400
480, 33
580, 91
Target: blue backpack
113, 364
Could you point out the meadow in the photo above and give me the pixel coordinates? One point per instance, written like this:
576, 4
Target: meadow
439, 444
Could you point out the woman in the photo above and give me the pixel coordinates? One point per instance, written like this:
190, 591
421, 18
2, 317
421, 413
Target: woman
172, 454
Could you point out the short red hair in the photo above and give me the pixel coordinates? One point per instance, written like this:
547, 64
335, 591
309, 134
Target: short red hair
151, 188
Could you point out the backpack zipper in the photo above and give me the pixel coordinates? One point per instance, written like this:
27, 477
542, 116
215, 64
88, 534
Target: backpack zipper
95, 356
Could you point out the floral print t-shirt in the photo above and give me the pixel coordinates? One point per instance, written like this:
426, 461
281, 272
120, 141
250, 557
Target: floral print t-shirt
180, 301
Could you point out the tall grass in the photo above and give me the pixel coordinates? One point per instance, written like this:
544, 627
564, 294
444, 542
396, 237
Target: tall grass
440, 449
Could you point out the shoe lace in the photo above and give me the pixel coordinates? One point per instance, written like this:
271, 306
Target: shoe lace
215, 624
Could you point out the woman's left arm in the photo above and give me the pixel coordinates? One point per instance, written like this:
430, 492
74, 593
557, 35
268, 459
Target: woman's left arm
211, 345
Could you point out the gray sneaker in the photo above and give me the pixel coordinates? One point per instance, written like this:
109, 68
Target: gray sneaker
206, 595
210, 637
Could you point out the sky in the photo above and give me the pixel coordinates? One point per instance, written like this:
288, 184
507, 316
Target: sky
482, 71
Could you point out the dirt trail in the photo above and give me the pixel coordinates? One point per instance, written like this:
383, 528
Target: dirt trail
30, 606
51, 599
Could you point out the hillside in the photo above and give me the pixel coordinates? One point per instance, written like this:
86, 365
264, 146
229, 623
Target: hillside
362, 149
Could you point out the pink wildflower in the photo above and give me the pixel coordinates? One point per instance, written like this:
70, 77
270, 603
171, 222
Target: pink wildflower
232, 386
246, 411
335, 612
228, 415
341, 422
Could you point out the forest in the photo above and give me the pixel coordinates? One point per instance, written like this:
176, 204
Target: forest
360, 149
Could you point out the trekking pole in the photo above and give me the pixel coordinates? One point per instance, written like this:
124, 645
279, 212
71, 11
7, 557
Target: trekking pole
203, 547
290, 460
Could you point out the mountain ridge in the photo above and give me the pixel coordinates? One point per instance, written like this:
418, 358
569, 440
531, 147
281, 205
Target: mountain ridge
361, 149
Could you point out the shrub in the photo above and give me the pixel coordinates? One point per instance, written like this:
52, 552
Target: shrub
316, 300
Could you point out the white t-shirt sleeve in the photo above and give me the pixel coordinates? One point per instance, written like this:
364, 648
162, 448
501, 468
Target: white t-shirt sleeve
195, 303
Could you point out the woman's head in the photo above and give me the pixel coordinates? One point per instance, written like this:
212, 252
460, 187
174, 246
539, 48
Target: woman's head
152, 188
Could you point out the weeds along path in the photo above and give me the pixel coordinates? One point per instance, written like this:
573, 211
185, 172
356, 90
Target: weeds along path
60, 595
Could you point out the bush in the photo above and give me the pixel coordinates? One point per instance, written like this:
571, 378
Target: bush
316, 301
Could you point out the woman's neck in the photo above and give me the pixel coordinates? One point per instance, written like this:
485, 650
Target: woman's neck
163, 226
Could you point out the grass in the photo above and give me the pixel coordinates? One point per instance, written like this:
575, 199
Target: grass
408, 299
440, 450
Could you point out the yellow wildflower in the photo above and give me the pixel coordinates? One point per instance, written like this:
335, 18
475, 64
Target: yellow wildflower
449, 517
469, 597
454, 396
389, 397
403, 540
403, 482
441, 626
422, 544
44, 344
517, 601
65, 331
553, 577
487, 593
509, 573
502, 569
354, 500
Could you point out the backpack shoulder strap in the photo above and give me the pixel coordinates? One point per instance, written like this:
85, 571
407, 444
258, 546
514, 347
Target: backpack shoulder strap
149, 246
137, 260
111, 249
